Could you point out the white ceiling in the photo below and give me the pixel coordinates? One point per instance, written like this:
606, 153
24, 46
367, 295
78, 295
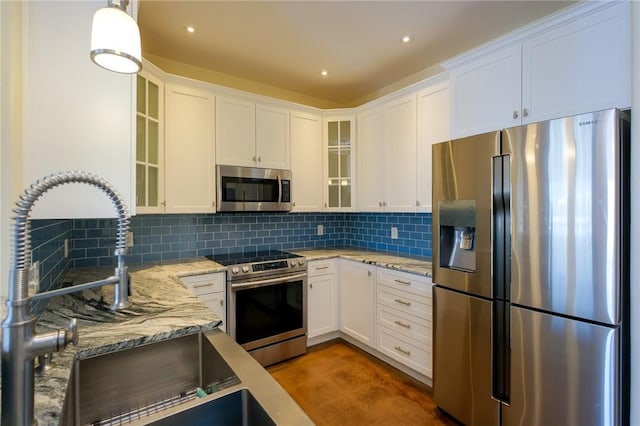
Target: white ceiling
286, 44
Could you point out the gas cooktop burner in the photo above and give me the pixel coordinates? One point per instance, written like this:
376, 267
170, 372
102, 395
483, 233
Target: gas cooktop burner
251, 257
252, 265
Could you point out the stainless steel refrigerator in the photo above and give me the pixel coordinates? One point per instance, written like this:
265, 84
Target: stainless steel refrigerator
531, 274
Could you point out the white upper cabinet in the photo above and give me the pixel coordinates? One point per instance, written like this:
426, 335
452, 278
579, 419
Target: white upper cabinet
339, 158
149, 143
272, 137
251, 135
189, 150
433, 127
75, 115
579, 67
371, 160
486, 93
577, 62
387, 156
400, 154
306, 162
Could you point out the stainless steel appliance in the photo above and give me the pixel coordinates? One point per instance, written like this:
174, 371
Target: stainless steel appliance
531, 274
267, 307
246, 189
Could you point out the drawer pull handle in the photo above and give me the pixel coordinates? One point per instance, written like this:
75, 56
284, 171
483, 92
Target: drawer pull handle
203, 285
321, 267
401, 324
403, 282
403, 302
221, 302
404, 351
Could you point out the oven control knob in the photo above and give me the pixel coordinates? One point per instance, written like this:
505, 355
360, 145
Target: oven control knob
245, 269
301, 262
292, 263
235, 270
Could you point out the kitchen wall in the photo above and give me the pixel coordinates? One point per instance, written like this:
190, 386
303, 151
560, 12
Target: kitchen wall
171, 237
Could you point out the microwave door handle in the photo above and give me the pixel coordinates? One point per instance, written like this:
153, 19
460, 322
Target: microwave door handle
279, 190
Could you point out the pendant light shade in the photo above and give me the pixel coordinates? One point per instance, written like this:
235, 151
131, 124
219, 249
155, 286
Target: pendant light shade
115, 39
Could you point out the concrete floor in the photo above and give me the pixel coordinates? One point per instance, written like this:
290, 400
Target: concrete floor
338, 384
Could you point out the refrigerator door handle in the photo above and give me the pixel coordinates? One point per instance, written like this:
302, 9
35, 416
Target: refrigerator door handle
500, 262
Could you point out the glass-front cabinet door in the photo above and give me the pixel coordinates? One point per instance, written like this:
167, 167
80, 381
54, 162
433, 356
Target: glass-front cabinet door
149, 144
339, 172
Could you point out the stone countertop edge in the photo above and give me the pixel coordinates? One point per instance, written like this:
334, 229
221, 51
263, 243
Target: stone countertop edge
161, 308
398, 262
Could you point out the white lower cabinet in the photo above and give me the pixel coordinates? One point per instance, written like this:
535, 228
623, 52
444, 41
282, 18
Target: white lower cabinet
210, 289
357, 298
404, 319
322, 297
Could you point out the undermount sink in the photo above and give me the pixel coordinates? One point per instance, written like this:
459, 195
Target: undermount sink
161, 378
233, 409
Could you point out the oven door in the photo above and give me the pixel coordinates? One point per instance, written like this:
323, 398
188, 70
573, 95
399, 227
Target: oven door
253, 189
268, 311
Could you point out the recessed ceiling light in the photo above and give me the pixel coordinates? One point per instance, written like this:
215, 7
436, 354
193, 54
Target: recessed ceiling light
324, 73
191, 29
406, 39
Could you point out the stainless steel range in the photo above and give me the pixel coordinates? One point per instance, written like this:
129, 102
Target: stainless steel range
267, 309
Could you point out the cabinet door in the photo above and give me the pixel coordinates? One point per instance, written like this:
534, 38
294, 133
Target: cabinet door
400, 154
322, 304
306, 162
149, 144
357, 298
579, 67
272, 137
235, 132
485, 93
339, 160
371, 161
433, 127
217, 303
189, 148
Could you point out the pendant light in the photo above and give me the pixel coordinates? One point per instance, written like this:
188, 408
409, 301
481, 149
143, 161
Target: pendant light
115, 39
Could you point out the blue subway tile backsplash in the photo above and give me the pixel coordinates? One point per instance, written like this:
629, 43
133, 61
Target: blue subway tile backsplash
160, 238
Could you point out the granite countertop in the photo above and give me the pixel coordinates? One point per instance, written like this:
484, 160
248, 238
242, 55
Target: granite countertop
411, 264
161, 308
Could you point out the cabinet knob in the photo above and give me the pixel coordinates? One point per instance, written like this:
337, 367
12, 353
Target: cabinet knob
293, 204
259, 159
369, 273
384, 204
310, 285
525, 113
417, 203
515, 115
254, 158
221, 302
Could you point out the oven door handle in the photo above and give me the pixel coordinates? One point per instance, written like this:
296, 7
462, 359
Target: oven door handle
261, 283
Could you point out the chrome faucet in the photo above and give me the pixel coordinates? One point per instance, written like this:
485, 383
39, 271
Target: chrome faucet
20, 343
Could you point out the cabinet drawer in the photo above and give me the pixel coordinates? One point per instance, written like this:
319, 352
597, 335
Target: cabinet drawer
406, 302
412, 356
205, 284
418, 330
412, 283
321, 267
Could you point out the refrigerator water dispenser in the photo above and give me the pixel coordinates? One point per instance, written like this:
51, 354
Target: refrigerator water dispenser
457, 235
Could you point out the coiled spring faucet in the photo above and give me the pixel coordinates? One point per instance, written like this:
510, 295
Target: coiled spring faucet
20, 343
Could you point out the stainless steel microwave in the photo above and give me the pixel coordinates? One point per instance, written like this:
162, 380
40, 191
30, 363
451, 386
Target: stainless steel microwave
251, 189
